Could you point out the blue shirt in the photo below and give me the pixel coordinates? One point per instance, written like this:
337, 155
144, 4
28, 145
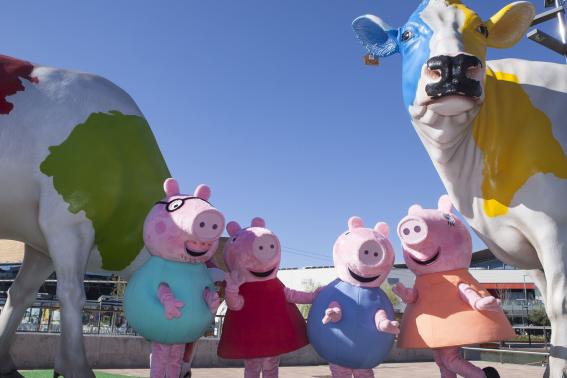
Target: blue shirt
146, 314
354, 341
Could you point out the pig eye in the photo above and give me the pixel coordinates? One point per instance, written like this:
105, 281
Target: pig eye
346, 233
450, 220
174, 205
234, 239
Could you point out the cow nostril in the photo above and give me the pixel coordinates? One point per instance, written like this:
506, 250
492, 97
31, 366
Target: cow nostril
434, 74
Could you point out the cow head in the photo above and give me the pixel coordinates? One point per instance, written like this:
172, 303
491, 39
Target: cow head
443, 47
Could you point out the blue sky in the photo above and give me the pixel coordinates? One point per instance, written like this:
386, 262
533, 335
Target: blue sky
266, 101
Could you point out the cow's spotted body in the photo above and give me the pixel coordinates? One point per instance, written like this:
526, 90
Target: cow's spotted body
79, 170
496, 132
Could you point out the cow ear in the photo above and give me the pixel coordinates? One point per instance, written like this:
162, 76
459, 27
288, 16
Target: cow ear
378, 38
509, 25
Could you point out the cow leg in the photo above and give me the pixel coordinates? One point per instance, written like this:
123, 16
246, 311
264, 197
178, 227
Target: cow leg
36, 267
554, 261
69, 248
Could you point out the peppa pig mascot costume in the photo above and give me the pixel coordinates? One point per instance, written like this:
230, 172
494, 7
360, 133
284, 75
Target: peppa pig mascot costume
261, 322
171, 299
447, 308
351, 321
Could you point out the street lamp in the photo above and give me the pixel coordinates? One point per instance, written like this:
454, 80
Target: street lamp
536, 35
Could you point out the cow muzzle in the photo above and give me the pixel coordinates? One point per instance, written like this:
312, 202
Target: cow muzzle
453, 76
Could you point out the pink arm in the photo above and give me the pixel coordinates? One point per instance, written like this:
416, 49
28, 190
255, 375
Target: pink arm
212, 299
333, 313
170, 303
302, 297
407, 295
384, 324
234, 300
471, 297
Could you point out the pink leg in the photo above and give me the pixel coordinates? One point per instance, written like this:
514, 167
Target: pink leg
270, 367
445, 373
174, 361
453, 361
363, 373
160, 352
252, 367
340, 372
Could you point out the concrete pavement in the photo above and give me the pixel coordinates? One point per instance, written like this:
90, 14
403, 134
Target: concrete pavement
389, 370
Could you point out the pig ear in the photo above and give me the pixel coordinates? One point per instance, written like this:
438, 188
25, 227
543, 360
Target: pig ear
382, 228
203, 192
355, 222
170, 187
414, 209
232, 228
258, 222
445, 205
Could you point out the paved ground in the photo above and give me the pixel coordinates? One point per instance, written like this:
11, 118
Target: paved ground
402, 370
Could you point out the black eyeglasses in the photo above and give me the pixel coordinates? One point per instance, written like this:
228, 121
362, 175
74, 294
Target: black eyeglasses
176, 204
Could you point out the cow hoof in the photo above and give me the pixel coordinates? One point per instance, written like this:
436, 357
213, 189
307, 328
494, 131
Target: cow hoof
491, 372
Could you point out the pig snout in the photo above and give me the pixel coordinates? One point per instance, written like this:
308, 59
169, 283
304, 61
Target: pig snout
266, 247
370, 253
412, 231
208, 225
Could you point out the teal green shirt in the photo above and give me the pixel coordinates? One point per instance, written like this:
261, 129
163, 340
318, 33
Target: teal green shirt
146, 314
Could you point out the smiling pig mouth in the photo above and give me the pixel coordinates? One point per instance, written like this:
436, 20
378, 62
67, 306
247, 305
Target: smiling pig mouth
361, 278
195, 253
429, 261
263, 274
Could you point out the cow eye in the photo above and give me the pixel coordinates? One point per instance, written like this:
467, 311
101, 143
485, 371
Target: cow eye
482, 29
406, 35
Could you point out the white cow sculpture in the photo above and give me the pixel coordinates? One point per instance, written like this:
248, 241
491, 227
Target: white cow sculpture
79, 170
496, 132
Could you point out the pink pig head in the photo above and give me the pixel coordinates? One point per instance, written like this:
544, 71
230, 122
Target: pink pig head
363, 256
183, 227
254, 252
434, 240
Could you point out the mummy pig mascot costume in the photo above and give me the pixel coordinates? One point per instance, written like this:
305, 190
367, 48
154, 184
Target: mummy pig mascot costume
351, 321
447, 308
261, 322
171, 299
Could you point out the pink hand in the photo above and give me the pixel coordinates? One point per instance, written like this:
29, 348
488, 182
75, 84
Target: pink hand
488, 304
212, 299
171, 307
390, 326
234, 280
333, 313
407, 295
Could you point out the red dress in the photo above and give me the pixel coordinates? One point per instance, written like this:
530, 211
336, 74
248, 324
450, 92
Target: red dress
267, 325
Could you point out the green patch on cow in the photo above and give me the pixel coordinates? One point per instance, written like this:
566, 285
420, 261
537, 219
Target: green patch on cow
111, 168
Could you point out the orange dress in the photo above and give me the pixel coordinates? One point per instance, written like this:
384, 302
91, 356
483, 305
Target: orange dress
440, 318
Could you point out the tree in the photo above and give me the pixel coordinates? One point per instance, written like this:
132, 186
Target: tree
538, 317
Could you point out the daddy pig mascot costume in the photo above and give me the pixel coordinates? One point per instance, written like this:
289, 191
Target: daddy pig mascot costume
351, 323
447, 308
261, 322
171, 299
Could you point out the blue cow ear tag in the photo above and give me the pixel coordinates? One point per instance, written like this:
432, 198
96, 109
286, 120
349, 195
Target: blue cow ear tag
371, 60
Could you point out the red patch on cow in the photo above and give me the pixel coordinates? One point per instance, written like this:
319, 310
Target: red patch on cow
11, 72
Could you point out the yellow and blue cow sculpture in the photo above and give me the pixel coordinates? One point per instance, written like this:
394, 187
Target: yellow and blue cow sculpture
496, 132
